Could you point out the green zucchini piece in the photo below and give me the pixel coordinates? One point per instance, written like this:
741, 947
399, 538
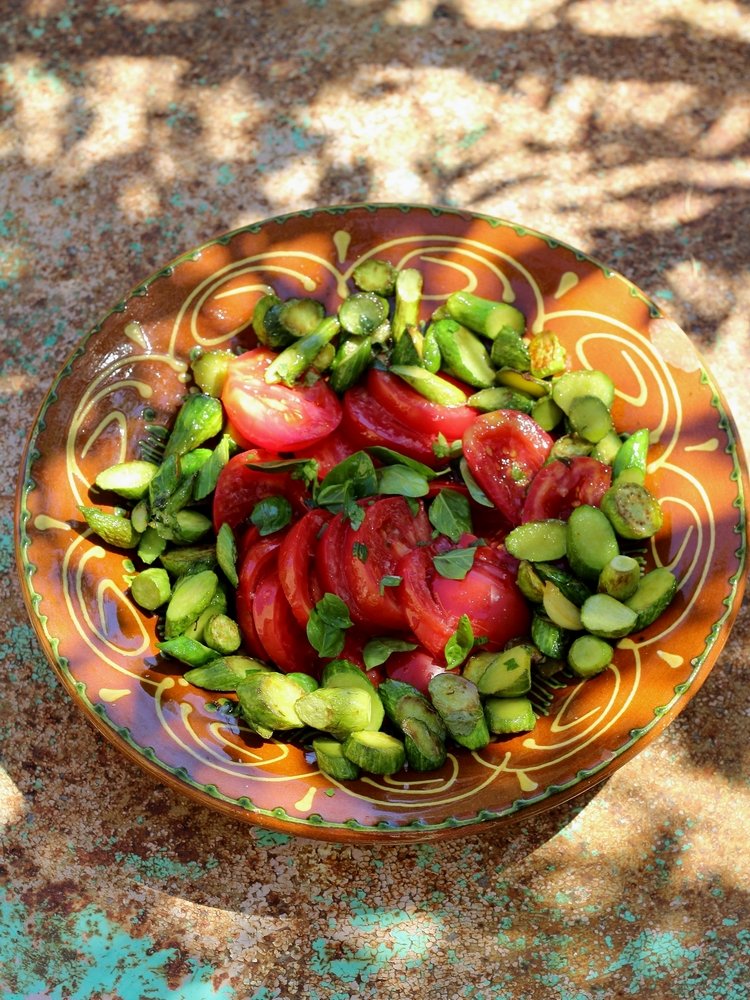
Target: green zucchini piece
584, 382
476, 665
547, 356
633, 511
224, 673
189, 599
547, 413
632, 455
301, 316
151, 545
590, 418
425, 751
402, 701
509, 715
294, 360
199, 418
529, 583
226, 553
267, 325
140, 516
591, 542
189, 559
500, 397
549, 638
508, 674
189, 651
185, 527
208, 474
463, 353
351, 360
568, 584
538, 541
337, 710
483, 315
329, 755
218, 606
568, 446
306, 682
559, 609
267, 700
222, 633
113, 529
589, 655
523, 382
607, 617
210, 370
432, 387
431, 356
620, 577
408, 349
151, 588
374, 275
378, 753
362, 313
510, 350
457, 702
344, 674
408, 291
127, 479
654, 594
606, 449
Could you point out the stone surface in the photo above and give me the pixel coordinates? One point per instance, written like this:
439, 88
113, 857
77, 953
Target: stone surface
130, 132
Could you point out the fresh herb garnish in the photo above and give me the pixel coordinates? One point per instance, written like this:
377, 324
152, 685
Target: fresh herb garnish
398, 480
359, 551
305, 469
271, 514
389, 457
377, 651
388, 581
460, 644
473, 486
347, 482
450, 514
326, 624
456, 563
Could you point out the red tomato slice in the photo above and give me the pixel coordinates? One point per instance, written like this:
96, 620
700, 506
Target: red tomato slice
504, 451
330, 560
258, 560
329, 452
488, 522
367, 423
277, 628
239, 488
412, 409
488, 595
296, 564
561, 486
415, 667
389, 530
277, 417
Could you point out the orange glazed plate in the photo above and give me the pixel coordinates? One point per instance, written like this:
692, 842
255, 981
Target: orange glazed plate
130, 371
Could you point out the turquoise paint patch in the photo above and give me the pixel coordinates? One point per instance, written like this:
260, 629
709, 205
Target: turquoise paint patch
86, 955
270, 838
225, 175
161, 867
653, 956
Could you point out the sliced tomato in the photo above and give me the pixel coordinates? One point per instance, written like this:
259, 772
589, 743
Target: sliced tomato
329, 452
367, 423
330, 560
389, 530
258, 560
277, 417
239, 488
297, 564
558, 488
488, 595
488, 522
415, 666
280, 635
411, 408
504, 451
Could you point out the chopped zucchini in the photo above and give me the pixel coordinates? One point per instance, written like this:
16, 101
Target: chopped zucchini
376, 752
189, 600
457, 702
483, 315
199, 418
374, 275
224, 673
509, 715
113, 529
351, 360
607, 617
589, 655
633, 511
591, 542
151, 588
362, 313
268, 701
210, 370
653, 595
189, 651
329, 754
127, 479
538, 541
464, 354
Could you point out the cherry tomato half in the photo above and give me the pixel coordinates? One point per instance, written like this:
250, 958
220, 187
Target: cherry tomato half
277, 417
504, 451
563, 485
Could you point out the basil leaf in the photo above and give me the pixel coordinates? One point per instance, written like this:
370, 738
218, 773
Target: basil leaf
454, 564
389, 457
359, 551
473, 486
377, 651
397, 480
355, 478
413, 506
354, 513
460, 644
388, 581
271, 514
332, 610
299, 468
326, 639
450, 514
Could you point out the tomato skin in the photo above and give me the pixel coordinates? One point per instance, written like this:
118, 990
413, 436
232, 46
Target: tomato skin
558, 488
389, 530
279, 634
258, 560
296, 564
488, 595
330, 560
277, 417
329, 452
239, 488
367, 423
504, 451
415, 666
411, 408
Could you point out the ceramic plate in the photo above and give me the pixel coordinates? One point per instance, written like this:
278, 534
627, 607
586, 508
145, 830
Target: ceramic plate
130, 371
